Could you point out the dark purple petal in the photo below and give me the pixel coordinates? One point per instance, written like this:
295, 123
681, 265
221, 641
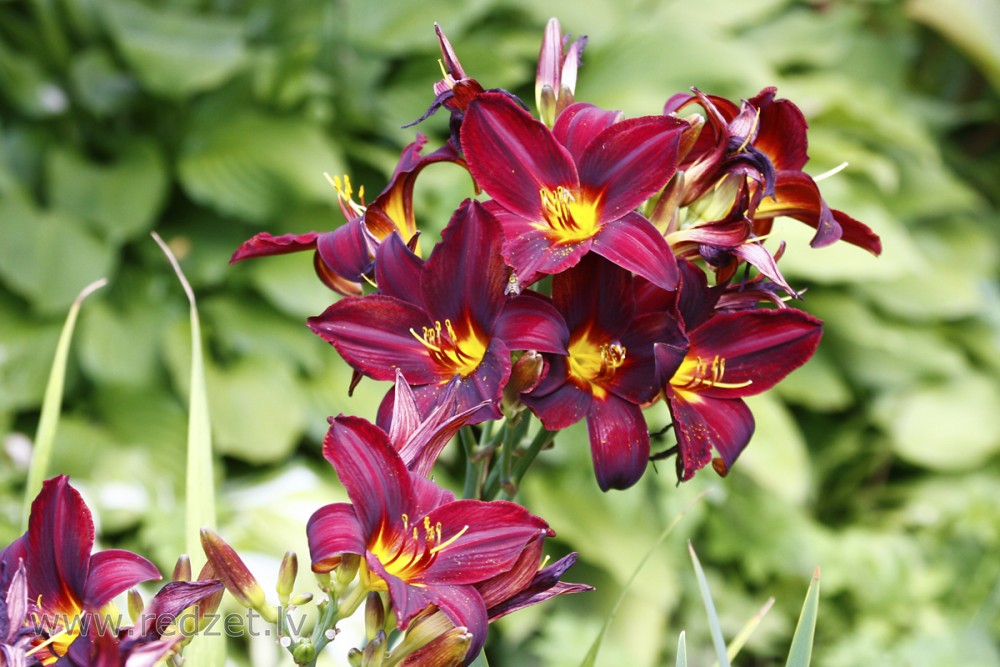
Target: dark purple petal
857, 233
374, 335
557, 402
346, 250
629, 162
496, 535
619, 442
533, 251
484, 385
466, 610
633, 243
595, 294
175, 597
465, 274
512, 156
114, 571
760, 257
264, 244
530, 322
376, 480
781, 131
398, 271
544, 585
60, 539
333, 530
760, 347
579, 123
703, 424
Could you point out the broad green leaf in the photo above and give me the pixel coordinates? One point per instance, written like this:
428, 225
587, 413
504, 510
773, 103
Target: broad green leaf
102, 87
174, 52
25, 356
971, 24
800, 653
776, 457
46, 256
29, 87
950, 425
818, 385
256, 180
122, 198
52, 404
120, 347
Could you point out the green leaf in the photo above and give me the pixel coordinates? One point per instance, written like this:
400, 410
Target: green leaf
260, 179
25, 356
776, 457
800, 653
52, 404
949, 425
46, 256
100, 85
713, 619
682, 659
122, 198
199, 487
175, 53
971, 24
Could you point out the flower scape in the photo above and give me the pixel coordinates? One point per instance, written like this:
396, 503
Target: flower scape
607, 264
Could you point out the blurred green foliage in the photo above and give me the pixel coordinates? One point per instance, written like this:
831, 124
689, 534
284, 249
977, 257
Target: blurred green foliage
210, 120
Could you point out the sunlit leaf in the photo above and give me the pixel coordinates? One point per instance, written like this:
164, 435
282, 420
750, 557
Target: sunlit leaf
802, 641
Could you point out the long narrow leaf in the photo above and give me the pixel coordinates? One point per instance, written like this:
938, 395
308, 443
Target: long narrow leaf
800, 653
682, 652
590, 659
199, 491
741, 638
52, 404
713, 618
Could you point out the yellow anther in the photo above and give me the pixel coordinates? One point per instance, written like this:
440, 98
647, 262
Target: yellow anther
451, 541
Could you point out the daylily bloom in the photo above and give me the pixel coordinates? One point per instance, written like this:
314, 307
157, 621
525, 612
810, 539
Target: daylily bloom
728, 355
414, 539
67, 585
562, 193
344, 255
609, 372
555, 81
446, 318
764, 139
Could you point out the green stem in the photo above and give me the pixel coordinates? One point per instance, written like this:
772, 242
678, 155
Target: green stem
542, 439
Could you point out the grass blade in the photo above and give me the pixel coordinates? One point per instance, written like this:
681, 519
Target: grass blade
713, 618
741, 638
800, 653
682, 652
199, 491
45, 436
590, 659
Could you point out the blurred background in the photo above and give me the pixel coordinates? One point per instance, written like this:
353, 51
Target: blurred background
210, 120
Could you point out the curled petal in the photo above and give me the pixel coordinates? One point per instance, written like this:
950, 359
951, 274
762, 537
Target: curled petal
264, 244
333, 530
113, 571
619, 442
702, 424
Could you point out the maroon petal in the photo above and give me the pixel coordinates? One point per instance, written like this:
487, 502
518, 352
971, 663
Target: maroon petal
333, 530
557, 402
465, 273
265, 244
630, 161
760, 257
373, 334
703, 424
760, 348
512, 156
579, 124
619, 442
781, 133
595, 294
857, 233
175, 597
60, 538
346, 250
398, 271
530, 322
533, 252
496, 534
633, 243
114, 571
796, 195
376, 480
544, 585
334, 280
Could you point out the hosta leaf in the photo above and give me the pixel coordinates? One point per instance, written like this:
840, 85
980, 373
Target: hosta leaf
174, 52
256, 180
971, 24
122, 199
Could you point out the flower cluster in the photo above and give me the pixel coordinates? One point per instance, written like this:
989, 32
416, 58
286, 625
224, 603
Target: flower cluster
610, 263
56, 596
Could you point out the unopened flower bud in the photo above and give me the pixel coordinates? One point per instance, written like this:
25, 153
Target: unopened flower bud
374, 653
355, 657
135, 605
286, 577
304, 652
555, 80
347, 569
235, 576
374, 615
525, 374
300, 599
182, 570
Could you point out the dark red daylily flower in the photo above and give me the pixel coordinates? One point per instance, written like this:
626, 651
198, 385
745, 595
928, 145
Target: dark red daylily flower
446, 318
609, 371
345, 254
68, 586
764, 138
415, 540
565, 192
728, 355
